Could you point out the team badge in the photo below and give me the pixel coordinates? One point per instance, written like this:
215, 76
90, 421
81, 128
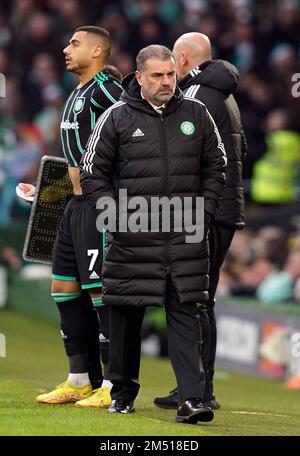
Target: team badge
187, 128
78, 107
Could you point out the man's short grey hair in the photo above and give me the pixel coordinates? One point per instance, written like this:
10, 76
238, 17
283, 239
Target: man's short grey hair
154, 51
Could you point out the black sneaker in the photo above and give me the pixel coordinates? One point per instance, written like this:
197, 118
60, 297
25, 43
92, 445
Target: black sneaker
192, 411
168, 402
119, 406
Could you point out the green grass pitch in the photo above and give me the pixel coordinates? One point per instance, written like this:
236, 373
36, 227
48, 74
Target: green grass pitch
35, 362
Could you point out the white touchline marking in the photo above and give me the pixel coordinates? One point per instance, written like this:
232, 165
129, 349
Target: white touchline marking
244, 412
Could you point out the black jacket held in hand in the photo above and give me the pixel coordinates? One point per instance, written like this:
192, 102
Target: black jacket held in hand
133, 147
213, 83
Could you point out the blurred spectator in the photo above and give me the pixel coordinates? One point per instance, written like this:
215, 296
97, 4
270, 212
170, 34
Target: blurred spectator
263, 264
70, 15
40, 37
20, 16
279, 287
9, 259
43, 78
271, 244
19, 163
4, 62
276, 178
5, 33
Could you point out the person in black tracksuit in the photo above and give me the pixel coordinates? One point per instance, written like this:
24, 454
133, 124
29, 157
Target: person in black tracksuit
213, 82
155, 142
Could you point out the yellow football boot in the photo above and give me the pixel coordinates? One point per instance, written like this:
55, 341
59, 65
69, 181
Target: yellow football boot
100, 399
65, 393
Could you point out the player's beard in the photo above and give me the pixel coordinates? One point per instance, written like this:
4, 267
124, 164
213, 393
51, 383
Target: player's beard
159, 98
76, 68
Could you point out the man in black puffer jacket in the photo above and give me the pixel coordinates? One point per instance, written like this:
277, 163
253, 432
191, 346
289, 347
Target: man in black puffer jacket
213, 82
155, 143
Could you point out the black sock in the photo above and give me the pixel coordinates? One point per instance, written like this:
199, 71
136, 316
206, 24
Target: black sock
103, 316
79, 328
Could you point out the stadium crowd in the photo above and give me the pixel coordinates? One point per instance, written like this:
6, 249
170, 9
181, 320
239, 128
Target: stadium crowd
261, 37
264, 264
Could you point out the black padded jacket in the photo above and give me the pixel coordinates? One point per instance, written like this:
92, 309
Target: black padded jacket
214, 83
178, 153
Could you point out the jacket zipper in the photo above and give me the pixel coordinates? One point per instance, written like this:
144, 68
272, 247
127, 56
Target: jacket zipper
165, 156
166, 185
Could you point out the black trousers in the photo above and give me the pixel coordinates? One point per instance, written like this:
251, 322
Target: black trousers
184, 340
220, 238
125, 351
